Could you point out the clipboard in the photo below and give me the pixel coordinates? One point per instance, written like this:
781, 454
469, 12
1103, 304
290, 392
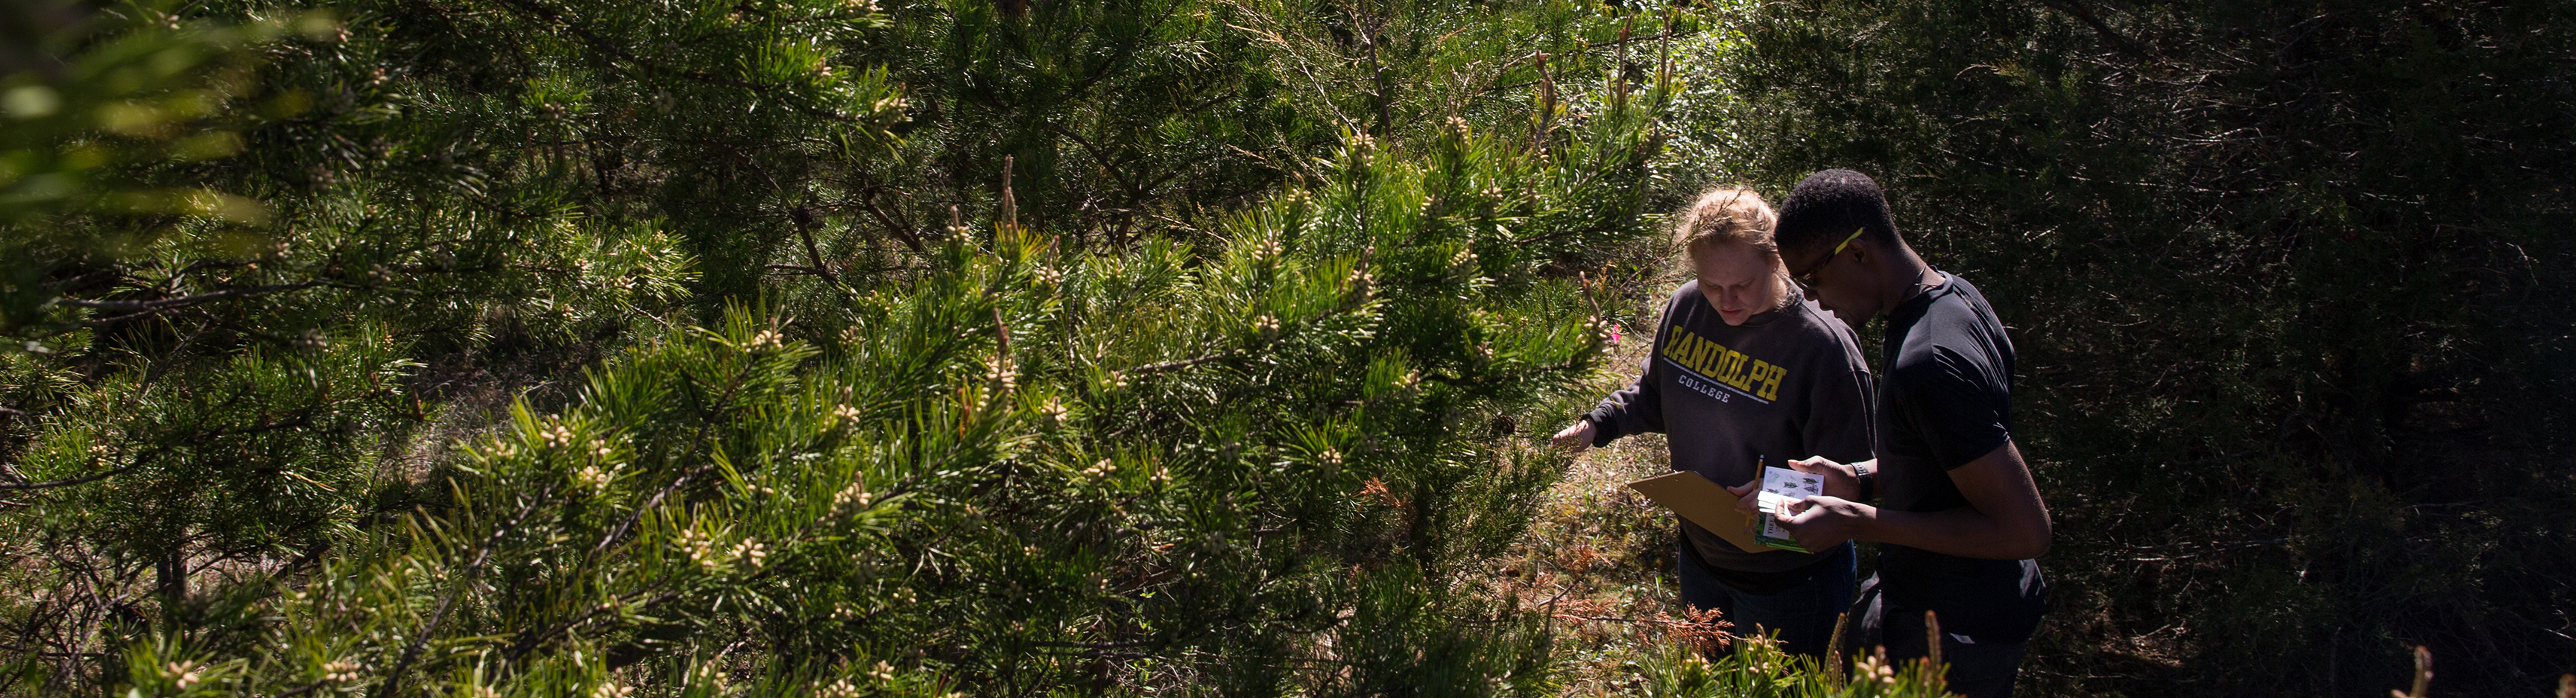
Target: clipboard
1704, 503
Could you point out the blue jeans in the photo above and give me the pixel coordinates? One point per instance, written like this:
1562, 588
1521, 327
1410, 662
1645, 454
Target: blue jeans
1803, 615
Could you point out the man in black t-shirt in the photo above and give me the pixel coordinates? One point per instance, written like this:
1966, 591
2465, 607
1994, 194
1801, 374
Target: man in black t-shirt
1959, 518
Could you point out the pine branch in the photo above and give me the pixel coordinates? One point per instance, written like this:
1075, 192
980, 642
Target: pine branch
19, 486
141, 309
704, 424
392, 684
601, 44
1183, 363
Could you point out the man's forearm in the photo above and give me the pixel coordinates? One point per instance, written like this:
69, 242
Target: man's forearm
1963, 532
2004, 518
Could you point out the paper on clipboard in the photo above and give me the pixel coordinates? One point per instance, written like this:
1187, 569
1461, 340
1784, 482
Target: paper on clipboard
1704, 503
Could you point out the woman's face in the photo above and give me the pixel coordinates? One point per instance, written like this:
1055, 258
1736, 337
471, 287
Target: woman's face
1737, 279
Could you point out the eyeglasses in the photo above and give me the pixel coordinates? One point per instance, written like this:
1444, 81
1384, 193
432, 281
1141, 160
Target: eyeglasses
1806, 280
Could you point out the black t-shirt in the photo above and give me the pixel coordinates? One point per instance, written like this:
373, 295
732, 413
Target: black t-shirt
1945, 400
1788, 383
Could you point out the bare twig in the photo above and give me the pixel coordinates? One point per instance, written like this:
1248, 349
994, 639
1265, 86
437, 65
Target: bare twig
804, 219
1010, 204
868, 202
2074, 8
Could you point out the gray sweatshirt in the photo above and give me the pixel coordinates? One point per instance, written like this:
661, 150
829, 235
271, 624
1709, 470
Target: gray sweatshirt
1790, 383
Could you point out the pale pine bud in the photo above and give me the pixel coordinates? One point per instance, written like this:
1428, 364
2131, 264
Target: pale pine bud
594, 477
855, 495
185, 673
698, 547
1000, 374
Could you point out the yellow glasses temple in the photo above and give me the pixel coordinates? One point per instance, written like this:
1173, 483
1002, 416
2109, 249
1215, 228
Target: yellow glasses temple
1838, 249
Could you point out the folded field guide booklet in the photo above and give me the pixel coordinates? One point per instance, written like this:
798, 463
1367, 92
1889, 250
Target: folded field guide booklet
1713, 508
1780, 488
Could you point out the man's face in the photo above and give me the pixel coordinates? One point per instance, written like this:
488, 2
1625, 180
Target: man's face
1738, 280
1837, 282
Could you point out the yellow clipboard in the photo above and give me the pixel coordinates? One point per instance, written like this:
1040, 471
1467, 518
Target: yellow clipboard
1704, 503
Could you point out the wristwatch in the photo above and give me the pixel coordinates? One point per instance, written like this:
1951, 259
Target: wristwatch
1867, 478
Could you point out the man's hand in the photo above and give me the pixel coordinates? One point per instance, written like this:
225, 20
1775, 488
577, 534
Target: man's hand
1841, 479
1818, 522
1825, 521
2004, 518
1577, 438
1841, 482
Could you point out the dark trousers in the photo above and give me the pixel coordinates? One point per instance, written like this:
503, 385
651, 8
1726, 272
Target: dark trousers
1803, 615
1977, 670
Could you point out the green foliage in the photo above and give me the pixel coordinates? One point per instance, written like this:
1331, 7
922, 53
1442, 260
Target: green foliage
1006, 512
2283, 277
91, 106
585, 347
1757, 668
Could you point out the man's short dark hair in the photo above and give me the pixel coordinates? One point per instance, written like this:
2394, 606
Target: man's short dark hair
1827, 206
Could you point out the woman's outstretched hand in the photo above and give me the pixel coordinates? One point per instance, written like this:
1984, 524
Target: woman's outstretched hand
1577, 438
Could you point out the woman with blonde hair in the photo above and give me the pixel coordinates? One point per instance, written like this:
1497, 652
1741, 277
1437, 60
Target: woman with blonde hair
1744, 369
